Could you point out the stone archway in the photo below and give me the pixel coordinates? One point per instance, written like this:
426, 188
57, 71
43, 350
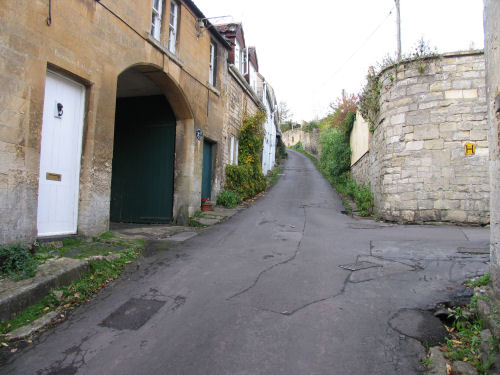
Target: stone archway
150, 148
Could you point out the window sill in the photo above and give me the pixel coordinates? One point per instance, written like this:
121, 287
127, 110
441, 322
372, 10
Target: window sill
213, 89
151, 39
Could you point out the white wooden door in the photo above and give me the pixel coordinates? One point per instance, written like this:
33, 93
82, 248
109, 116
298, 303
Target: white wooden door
60, 154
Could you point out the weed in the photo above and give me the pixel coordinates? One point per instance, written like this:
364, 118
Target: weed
427, 362
463, 343
195, 224
107, 235
274, 176
228, 198
481, 281
17, 261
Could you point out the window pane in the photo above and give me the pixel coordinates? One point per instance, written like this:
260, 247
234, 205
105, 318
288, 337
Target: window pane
172, 34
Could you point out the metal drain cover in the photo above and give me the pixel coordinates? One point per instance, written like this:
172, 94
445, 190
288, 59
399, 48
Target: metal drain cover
132, 314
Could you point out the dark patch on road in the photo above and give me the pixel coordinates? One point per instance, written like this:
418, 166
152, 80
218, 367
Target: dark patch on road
419, 324
133, 314
153, 247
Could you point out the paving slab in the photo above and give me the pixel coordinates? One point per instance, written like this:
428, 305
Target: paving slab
183, 236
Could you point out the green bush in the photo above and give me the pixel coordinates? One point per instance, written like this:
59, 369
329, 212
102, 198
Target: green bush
244, 180
228, 198
363, 198
247, 179
17, 261
335, 152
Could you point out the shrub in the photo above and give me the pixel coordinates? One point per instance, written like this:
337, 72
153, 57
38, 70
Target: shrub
17, 261
247, 179
335, 152
244, 180
228, 198
363, 198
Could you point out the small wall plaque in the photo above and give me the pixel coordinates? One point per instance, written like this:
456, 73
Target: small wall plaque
470, 149
53, 176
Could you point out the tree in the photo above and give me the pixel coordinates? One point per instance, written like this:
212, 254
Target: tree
285, 115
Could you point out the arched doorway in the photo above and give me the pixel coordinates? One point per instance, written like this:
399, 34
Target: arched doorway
142, 183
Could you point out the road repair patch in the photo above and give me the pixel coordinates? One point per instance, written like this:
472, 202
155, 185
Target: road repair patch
133, 314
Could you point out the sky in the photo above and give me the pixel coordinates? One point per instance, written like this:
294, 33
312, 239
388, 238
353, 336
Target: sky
309, 51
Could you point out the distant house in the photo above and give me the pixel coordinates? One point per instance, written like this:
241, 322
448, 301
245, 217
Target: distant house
271, 126
245, 64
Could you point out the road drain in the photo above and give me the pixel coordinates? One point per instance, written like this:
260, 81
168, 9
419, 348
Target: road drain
132, 314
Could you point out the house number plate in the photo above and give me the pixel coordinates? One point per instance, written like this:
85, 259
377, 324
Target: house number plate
53, 176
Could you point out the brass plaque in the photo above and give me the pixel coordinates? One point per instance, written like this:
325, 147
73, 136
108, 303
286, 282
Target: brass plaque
470, 149
53, 176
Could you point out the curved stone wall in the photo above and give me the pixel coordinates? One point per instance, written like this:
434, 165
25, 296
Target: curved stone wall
418, 168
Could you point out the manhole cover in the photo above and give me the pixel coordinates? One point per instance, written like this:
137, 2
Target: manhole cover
359, 266
132, 314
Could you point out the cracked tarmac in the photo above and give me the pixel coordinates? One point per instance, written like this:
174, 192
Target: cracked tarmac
290, 285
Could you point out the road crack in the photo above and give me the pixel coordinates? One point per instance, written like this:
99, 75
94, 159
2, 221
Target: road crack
296, 252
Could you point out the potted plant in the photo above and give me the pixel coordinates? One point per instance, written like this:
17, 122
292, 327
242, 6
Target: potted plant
206, 204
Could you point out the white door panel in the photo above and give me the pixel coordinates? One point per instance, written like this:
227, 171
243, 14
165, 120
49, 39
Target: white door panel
60, 156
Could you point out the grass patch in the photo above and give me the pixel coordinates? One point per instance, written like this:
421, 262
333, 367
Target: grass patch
274, 176
481, 281
464, 340
67, 298
228, 199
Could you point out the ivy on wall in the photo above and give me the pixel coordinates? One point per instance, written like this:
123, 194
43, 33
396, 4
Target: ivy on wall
246, 179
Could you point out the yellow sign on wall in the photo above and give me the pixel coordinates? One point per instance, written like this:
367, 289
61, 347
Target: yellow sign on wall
470, 149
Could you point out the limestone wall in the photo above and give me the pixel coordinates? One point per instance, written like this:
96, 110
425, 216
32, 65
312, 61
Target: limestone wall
492, 53
360, 171
292, 137
310, 140
240, 100
418, 168
360, 138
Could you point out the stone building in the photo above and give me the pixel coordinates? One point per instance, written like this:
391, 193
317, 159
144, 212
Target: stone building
110, 110
428, 155
248, 92
492, 53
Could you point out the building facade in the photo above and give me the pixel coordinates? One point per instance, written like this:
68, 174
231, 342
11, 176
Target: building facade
108, 111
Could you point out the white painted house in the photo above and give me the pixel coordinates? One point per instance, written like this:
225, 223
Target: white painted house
270, 125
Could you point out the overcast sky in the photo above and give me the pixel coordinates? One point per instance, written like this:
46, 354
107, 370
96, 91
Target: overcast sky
310, 50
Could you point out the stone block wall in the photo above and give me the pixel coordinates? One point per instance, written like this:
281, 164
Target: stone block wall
240, 100
360, 171
310, 140
418, 168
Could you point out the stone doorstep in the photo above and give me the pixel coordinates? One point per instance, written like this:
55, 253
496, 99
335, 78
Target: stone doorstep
16, 296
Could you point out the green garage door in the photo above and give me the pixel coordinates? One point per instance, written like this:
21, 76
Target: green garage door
143, 161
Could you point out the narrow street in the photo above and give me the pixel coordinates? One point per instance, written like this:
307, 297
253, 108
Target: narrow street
289, 286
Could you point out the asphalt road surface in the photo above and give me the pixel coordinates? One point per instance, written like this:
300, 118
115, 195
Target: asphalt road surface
289, 286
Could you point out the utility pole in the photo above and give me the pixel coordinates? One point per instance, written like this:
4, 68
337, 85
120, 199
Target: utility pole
398, 22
